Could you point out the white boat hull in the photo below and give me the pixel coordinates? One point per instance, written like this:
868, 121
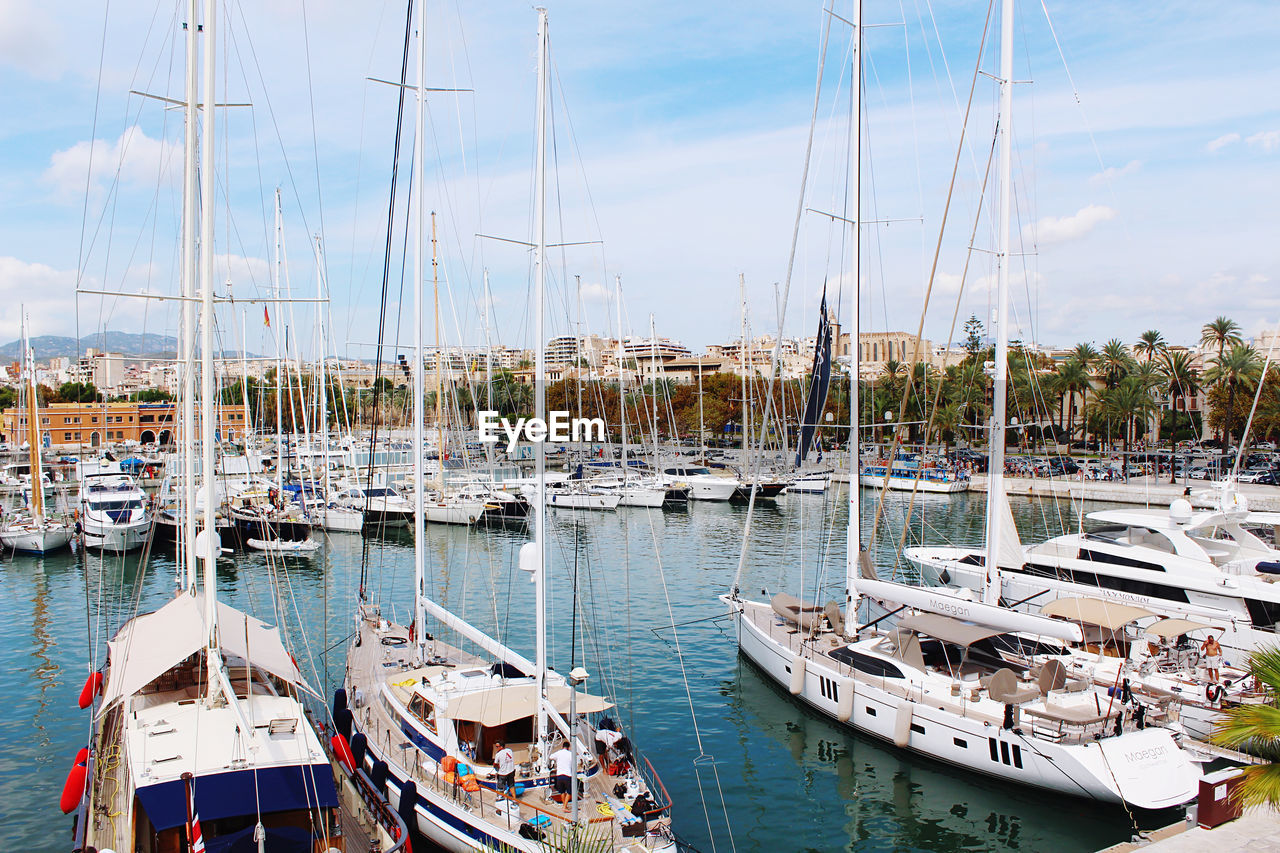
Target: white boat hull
117, 538
284, 546
907, 484
453, 512
644, 496
1096, 770
340, 520
575, 500
708, 489
36, 539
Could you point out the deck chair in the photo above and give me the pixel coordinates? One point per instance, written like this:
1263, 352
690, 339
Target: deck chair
1003, 687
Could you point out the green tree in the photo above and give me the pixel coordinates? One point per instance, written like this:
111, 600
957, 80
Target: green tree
1073, 378
1221, 333
1115, 362
1238, 367
78, 392
973, 335
1150, 344
1256, 729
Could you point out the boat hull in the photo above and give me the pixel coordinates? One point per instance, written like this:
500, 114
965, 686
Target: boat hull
1090, 770
36, 540
920, 484
116, 538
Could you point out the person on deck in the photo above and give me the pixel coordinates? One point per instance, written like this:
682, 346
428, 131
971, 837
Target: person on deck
1212, 657
605, 739
504, 764
562, 762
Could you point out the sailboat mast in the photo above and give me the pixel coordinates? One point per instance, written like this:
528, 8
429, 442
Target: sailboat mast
208, 404
622, 398
488, 367
187, 326
322, 391
539, 507
744, 357
33, 430
435, 296
995, 473
275, 291
853, 531
419, 246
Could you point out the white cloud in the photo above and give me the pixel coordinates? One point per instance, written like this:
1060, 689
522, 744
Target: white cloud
29, 39
1267, 140
1109, 174
1222, 142
135, 157
1059, 229
37, 290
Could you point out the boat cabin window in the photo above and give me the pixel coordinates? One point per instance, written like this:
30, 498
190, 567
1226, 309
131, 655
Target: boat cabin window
424, 711
1117, 560
105, 506
1263, 614
866, 663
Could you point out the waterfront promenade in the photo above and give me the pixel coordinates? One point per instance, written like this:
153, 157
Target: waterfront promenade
1150, 491
1257, 830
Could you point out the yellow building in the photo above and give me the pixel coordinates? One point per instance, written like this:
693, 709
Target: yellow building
96, 424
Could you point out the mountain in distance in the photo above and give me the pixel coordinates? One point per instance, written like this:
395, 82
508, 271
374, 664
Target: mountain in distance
125, 343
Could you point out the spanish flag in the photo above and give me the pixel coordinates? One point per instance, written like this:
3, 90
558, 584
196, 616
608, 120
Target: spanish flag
266, 318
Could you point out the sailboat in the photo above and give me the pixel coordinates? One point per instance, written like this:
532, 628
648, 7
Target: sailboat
33, 532
939, 683
199, 736
425, 716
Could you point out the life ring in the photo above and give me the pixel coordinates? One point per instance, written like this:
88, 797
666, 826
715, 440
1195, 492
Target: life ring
1214, 693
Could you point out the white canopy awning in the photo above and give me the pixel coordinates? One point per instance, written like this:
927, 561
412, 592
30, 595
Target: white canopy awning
1178, 627
500, 705
153, 643
1094, 611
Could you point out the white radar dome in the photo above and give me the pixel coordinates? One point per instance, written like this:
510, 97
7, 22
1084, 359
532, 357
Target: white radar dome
1180, 511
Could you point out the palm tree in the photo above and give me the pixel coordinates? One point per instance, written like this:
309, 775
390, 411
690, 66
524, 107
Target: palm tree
1182, 382
1115, 361
1151, 344
1128, 402
1073, 378
1256, 729
1236, 368
1220, 333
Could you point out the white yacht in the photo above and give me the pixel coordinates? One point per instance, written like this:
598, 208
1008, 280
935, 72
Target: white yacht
703, 485
907, 474
1202, 565
938, 686
114, 512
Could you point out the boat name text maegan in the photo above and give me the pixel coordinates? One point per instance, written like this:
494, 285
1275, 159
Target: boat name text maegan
1143, 755
949, 607
558, 427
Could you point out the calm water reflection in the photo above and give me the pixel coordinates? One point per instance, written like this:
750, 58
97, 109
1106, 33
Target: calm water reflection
736, 754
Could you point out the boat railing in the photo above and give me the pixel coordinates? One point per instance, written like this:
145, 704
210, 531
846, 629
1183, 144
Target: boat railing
488, 800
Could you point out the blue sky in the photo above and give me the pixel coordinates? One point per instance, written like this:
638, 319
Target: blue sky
1149, 204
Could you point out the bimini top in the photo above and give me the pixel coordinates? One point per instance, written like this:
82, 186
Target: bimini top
499, 705
151, 644
1094, 611
947, 628
1178, 627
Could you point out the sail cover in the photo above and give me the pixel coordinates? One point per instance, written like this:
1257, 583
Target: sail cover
819, 383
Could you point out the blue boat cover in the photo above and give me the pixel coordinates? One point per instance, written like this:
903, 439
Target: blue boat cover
275, 789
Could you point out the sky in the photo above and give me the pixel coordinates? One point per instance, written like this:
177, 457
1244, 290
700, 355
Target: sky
1147, 149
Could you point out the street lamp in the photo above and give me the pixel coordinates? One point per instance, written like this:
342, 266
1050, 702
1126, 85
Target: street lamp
577, 675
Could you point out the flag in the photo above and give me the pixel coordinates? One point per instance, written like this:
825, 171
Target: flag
194, 837
266, 318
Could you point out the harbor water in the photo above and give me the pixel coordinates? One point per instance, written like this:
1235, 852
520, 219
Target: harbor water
746, 767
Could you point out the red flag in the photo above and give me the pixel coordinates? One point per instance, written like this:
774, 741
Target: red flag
266, 318
195, 838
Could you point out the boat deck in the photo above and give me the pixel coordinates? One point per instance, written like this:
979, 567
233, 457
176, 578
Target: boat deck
385, 657
1059, 716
